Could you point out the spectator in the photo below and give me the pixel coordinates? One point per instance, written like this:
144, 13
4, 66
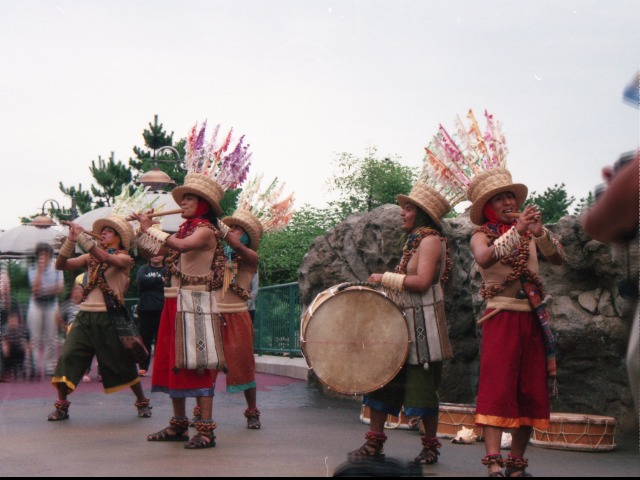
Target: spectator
46, 284
9, 307
15, 347
151, 280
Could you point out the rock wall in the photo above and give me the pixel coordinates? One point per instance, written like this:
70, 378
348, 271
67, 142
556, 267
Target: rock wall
589, 318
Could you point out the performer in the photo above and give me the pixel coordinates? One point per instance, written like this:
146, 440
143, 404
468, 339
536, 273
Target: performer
102, 327
518, 349
417, 283
193, 254
257, 212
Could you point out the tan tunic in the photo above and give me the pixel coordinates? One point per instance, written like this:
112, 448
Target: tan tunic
118, 281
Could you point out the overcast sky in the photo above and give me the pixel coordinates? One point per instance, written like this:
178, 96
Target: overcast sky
306, 80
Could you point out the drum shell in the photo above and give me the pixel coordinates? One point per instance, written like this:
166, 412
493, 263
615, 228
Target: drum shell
354, 338
454, 416
569, 431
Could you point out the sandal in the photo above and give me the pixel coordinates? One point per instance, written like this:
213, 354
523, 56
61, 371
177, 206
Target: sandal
175, 432
144, 408
205, 437
429, 453
492, 459
373, 447
253, 418
516, 464
61, 411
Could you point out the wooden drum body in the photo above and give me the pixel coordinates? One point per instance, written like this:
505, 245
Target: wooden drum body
574, 431
354, 338
454, 416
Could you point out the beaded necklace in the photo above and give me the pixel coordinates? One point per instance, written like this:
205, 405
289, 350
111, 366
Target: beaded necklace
413, 242
97, 279
518, 261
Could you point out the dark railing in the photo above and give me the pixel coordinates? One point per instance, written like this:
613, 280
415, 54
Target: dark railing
277, 328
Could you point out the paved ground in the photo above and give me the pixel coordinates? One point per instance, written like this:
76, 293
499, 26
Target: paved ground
304, 434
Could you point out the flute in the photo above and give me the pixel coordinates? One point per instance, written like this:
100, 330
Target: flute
88, 232
161, 214
517, 215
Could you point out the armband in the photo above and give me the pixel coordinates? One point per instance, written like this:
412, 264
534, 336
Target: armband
86, 242
507, 243
153, 239
546, 244
394, 281
67, 249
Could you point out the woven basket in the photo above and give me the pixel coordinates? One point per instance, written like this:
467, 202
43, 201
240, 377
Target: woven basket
202, 186
119, 224
487, 185
427, 199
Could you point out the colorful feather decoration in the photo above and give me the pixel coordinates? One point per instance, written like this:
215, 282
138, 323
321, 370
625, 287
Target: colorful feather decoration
272, 211
228, 168
454, 161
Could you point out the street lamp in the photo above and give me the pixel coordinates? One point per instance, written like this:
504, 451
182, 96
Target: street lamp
42, 220
155, 178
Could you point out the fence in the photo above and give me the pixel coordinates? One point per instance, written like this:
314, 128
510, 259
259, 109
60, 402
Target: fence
277, 328
277, 323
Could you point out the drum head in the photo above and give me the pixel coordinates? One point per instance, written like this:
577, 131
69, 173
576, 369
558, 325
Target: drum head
356, 341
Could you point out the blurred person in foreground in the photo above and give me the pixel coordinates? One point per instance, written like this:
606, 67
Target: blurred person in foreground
613, 219
46, 284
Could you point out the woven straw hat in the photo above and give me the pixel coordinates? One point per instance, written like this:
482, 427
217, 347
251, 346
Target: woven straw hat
427, 199
489, 184
202, 186
249, 223
119, 224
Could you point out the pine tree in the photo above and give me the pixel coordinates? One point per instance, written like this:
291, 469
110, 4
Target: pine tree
83, 201
146, 159
110, 177
553, 203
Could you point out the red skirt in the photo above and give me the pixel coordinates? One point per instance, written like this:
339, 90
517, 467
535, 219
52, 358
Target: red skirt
513, 391
178, 383
237, 340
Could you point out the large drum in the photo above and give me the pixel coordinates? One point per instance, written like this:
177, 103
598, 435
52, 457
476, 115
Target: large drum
574, 431
354, 338
454, 416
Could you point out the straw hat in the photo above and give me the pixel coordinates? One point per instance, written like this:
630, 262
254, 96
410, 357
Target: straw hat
428, 200
202, 186
119, 224
487, 185
249, 223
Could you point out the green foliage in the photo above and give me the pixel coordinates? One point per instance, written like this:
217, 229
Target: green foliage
82, 198
110, 177
281, 252
585, 204
229, 202
154, 139
553, 203
366, 183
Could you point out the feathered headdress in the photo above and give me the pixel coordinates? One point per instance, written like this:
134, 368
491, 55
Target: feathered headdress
474, 161
213, 167
260, 211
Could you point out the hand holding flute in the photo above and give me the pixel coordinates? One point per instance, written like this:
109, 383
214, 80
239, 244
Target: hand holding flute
529, 219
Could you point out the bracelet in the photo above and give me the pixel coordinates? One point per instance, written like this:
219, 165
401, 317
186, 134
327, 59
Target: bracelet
507, 243
67, 249
86, 242
153, 239
394, 281
546, 244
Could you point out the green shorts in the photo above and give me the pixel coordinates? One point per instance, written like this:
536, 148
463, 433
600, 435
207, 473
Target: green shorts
414, 388
92, 333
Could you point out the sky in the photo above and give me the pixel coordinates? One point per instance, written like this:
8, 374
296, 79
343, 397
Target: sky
306, 80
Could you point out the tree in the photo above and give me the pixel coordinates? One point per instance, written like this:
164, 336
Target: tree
83, 201
281, 252
553, 203
585, 204
154, 139
110, 177
366, 183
